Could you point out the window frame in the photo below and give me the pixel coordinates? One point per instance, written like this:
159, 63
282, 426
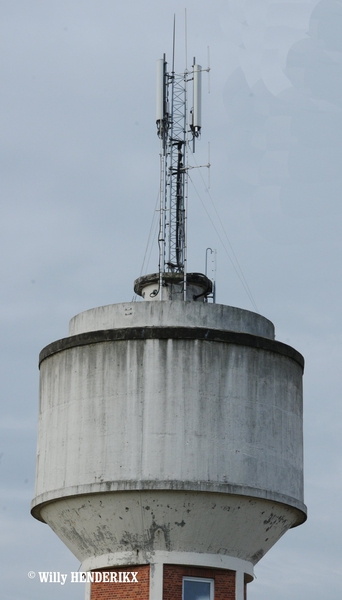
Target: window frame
204, 580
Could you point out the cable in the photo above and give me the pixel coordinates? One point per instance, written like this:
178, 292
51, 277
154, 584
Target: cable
152, 227
230, 245
151, 234
237, 268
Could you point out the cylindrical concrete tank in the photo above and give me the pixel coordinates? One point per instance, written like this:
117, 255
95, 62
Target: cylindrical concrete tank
170, 429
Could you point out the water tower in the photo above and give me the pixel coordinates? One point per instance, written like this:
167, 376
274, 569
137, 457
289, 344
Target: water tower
170, 453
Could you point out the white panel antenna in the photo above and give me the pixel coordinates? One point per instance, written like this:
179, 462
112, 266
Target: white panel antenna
197, 100
160, 113
162, 109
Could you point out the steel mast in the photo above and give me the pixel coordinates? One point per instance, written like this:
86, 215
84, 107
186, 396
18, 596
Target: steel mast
176, 128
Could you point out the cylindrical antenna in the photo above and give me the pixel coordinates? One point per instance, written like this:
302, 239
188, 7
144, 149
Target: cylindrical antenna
206, 260
197, 101
186, 40
160, 90
209, 165
173, 43
213, 270
161, 108
208, 70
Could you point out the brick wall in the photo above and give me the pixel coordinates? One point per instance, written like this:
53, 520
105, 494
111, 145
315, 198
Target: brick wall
123, 591
224, 581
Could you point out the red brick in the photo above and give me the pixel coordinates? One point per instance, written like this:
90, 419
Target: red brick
123, 591
224, 581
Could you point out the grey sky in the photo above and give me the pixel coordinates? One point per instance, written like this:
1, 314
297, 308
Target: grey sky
79, 182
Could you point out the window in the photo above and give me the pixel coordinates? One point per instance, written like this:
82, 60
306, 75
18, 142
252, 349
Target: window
195, 588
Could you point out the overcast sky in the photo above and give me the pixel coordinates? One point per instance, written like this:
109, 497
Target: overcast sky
79, 183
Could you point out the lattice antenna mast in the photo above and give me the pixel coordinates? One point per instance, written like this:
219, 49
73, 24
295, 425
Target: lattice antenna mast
177, 127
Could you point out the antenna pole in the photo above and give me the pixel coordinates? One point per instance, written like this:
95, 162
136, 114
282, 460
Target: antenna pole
208, 70
186, 40
186, 162
177, 128
161, 236
173, 43
186, 171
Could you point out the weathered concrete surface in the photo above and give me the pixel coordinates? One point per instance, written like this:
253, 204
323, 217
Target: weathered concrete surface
129, 420
171, 314
150, 521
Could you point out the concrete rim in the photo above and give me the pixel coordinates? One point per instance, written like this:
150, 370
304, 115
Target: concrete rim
175, 333
177, 486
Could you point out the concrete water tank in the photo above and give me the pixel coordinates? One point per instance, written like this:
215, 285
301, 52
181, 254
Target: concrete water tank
170, 439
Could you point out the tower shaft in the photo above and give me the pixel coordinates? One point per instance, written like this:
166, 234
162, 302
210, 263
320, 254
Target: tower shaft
176, 182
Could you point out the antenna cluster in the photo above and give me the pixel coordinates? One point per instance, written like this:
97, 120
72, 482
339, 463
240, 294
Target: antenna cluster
177, 127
